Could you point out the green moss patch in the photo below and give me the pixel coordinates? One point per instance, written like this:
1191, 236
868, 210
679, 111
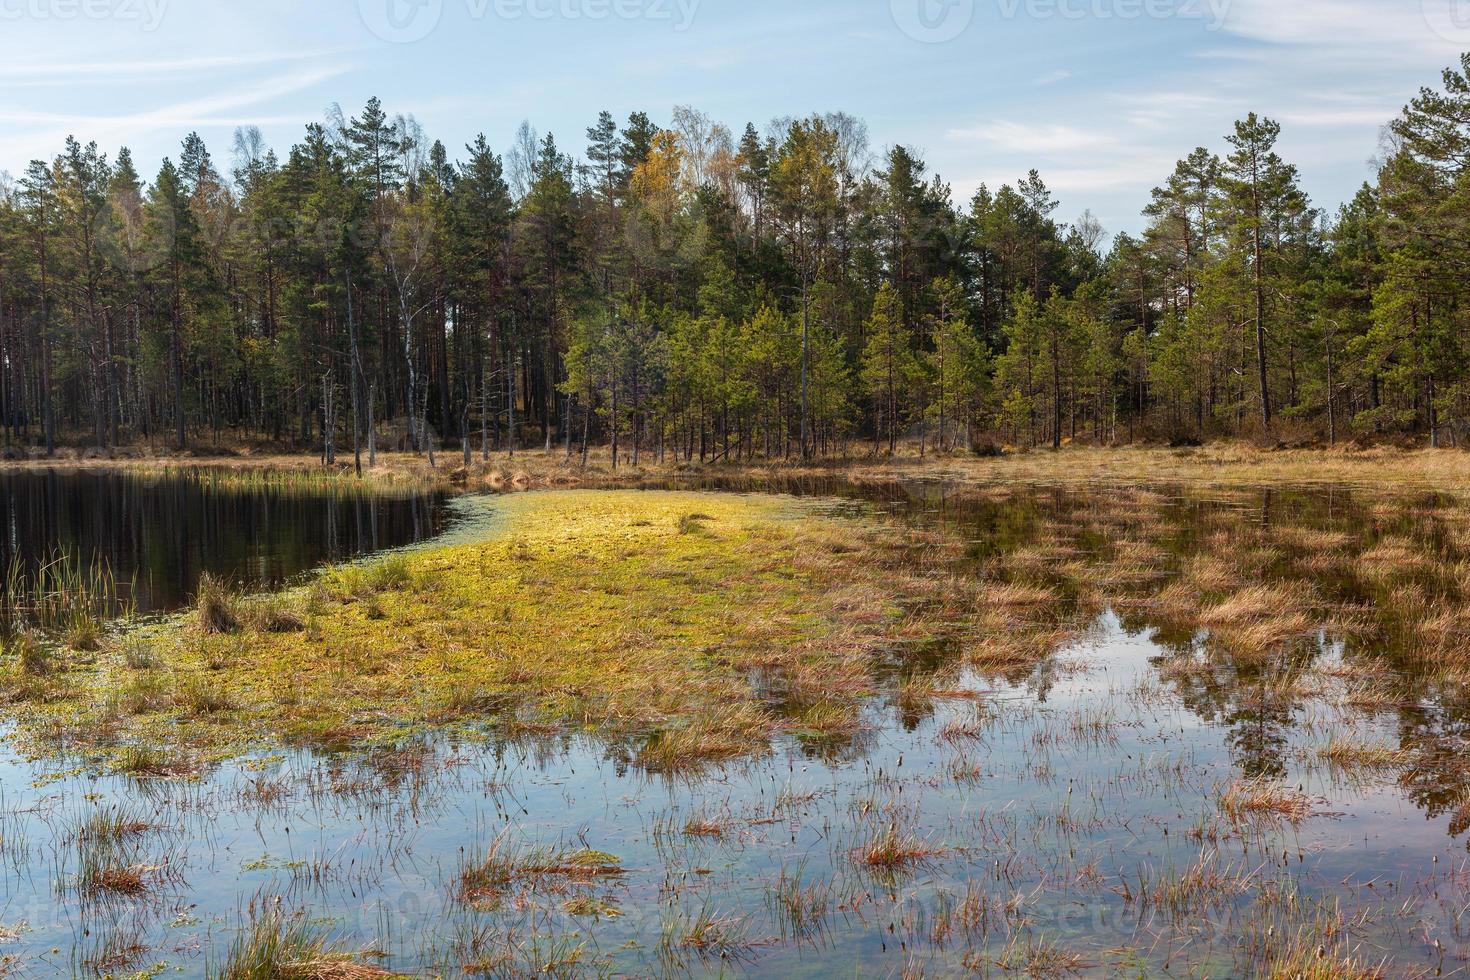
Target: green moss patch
694, 627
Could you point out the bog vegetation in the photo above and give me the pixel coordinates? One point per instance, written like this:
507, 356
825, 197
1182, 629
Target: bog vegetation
657, 733
676, 288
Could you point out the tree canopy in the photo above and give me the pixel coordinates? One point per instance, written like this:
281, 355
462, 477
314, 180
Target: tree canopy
679, 289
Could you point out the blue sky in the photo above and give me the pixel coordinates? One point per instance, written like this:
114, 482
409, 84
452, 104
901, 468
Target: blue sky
1102, 96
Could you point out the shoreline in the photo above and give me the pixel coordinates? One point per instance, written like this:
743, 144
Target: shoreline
1379, 469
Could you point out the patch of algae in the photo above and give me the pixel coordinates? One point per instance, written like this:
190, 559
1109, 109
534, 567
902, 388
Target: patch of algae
692, 627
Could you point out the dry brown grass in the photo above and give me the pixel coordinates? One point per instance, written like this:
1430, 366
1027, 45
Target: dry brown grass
1260, 618
1262, 799
893, 849
1360, 757
733, 732
697, 826
968, 726
1010, 646
1224, 464
1371, 694
1393, 558
131, 880
1207, 573
1010, 594
335, 970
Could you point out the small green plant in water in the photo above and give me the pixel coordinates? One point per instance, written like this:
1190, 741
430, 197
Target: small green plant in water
148, 762
108, 855
64, 598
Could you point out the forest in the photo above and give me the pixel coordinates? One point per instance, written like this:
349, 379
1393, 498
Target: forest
690, 290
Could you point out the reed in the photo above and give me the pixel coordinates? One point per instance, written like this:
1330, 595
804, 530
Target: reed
64, 599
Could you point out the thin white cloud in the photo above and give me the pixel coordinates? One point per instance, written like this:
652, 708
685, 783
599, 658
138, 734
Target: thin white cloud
1368, 116
1164, 110
1038, 138
89, 71
198, 113
1376, 28
1130, 171
1233, 54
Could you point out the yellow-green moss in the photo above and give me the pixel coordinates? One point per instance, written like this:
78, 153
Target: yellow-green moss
698, 624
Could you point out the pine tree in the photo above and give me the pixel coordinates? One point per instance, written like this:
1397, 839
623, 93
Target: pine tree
888, 367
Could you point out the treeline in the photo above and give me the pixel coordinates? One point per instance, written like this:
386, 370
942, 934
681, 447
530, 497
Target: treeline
679, 289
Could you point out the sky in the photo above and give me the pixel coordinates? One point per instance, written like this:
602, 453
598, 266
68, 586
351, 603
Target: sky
1100, 96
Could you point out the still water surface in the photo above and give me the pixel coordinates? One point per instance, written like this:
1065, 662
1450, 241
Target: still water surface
160, 533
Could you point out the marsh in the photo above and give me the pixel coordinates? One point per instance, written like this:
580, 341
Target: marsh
908, 727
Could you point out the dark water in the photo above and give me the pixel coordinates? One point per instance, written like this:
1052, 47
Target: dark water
160, 533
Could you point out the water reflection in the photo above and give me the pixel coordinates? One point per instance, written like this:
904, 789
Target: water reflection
163, 532
1081, 830
1365, 602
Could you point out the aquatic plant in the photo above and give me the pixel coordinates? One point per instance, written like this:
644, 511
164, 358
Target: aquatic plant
1257, 798
108, 856
215, 606
276, 946
64, 599
893, 849
487, 874
1351, 756
800, 904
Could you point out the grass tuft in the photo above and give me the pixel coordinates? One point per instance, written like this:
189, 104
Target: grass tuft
29, 655
280, 947
893, 850
1259, 798
693, 523
216, 607
485, 877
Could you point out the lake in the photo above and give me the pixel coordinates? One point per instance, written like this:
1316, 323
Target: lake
158, 533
